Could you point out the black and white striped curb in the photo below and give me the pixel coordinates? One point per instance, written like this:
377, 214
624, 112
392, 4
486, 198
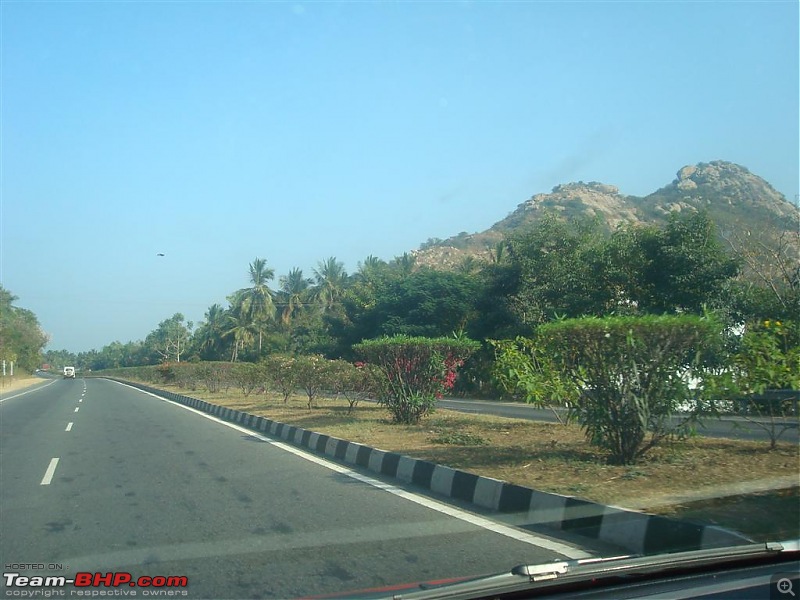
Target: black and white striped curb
637, 532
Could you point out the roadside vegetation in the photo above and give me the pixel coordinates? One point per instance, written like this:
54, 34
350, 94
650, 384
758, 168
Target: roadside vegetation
623, 328
21, 337
618, 331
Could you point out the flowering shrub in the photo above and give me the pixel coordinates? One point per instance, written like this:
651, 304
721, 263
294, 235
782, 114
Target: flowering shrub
313, 373
281, 374
415, 371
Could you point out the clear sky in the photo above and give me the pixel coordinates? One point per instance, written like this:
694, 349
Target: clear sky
218, 132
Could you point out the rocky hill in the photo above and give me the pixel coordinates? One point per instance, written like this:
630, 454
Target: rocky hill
734, 197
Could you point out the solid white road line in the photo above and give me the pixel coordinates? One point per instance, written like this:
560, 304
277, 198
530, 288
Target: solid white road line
509, 531
28, 391
69, 426
51, 469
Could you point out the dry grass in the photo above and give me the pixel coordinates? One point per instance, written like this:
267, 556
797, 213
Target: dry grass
12, 384
548, 457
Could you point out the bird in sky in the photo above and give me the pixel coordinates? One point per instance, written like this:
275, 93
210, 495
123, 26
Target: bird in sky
160, 254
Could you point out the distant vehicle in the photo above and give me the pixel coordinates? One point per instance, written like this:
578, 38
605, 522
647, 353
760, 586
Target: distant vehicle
69, 372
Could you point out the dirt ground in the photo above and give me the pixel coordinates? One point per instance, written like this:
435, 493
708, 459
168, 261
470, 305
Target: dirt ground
13, 384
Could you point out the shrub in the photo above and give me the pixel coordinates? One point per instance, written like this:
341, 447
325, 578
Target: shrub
767, 367
355, 382
414, 371
166, 371
313, 374
246, 377
215, 375
622, 378
281, 374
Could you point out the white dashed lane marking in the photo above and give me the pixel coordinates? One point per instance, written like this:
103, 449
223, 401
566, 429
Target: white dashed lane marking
77, 408
69, 426
48, 474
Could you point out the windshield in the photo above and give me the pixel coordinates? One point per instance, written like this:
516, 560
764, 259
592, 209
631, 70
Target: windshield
302, 298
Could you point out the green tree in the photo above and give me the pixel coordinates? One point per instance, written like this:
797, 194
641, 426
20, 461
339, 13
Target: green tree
293, 294
678, 268
368, 269
21, 336
239, 329
404, 264
426, 302
210, 334
170, 339
555, 268
331, 279
559, 268
58, 359
254, 305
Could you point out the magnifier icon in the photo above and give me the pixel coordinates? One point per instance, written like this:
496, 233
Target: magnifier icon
785, 586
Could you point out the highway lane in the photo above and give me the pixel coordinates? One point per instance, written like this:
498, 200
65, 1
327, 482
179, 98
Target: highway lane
725, 427
145, 486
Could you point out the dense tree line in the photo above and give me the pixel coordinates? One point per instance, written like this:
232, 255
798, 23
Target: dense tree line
21, 336
554, 270
625, 328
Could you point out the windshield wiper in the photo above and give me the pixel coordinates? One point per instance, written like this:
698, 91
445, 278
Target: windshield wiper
595, 572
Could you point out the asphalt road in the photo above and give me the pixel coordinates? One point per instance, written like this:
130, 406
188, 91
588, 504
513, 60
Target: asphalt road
726, 427
98, 477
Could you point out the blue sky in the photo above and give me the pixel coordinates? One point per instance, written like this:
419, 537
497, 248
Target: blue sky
218, 132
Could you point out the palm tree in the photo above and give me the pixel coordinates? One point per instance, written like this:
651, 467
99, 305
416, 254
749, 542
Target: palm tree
211, 332
240, 328
405, 263
498, 253
255, 303
468, 265
294, 288
331, 279
369, 268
